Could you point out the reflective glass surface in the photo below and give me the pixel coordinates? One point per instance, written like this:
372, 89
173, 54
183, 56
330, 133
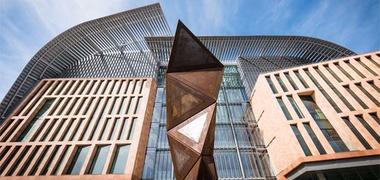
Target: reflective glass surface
78, 160
324, 125
99, 160
236, 148
120, 159
38, 118
301, 140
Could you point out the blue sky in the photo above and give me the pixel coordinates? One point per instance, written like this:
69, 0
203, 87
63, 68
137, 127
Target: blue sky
26, 25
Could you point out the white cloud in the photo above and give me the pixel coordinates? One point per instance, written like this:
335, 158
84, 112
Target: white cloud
46, 19
11, 62
60, 15
333, 21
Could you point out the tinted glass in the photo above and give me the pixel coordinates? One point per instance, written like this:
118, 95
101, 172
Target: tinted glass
78, 160
120, 160
99, 160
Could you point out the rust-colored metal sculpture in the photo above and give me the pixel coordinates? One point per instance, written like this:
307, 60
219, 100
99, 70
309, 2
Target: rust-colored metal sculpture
192, 85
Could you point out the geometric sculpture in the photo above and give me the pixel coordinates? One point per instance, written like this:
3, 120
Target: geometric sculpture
193, 80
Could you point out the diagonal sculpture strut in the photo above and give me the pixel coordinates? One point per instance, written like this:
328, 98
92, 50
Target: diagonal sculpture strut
193, 80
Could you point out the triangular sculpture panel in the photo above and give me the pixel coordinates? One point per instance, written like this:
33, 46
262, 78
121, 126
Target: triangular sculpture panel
193, 80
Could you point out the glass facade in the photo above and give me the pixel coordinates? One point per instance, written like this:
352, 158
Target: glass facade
323, 91
354, 68
297, 73
365, 66
137, 44
250, 67
369, 95
337, 92
356, 97
237, 152
368, 127
119, 160
283, 108
78, 160
295, 106
301, 140
287, 75
324, 125
343, 71
332, 73
99, 160
38, 118
356, 133
314, 138
271, 85
281, 83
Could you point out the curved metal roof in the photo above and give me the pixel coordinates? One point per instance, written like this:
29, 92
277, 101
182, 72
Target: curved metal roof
122, 45
120, 35
229, 48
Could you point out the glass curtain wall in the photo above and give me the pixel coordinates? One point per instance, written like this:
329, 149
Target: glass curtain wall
235, 154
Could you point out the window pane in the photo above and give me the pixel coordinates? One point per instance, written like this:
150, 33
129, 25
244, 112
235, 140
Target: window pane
221, 114
115, 128
120, 159
78, 160
281, 83
227, 163
62, 157
314, 138
242, 135
283, 108
234, 95
124, 129
356, 133
4, 152
28, 161
301, 79
271, 85
368, 127
327, 129
37, 163
369, 95
221, 98
224, 137
354, 68
325, 94
18, 161
337, 92
301, 140
99, 160
160, 95
107, 129
343, 71
162, 138
250, 164
353, 94
50, 160
332, 73
163, 166
287, 75
132, 128
237, 113
36, 121
295, 106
